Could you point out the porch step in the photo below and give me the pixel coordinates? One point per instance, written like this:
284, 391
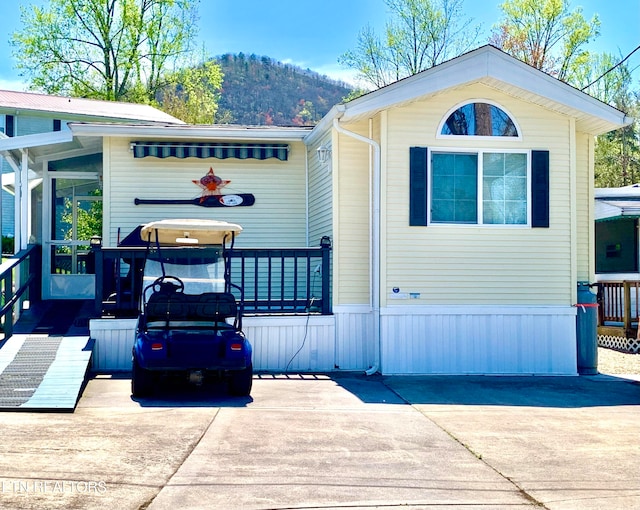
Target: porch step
42, 372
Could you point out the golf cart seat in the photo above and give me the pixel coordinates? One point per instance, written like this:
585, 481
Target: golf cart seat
214, 306
191, 310
164, 306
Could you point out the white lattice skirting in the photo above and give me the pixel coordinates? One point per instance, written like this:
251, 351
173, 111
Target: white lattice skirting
619, 343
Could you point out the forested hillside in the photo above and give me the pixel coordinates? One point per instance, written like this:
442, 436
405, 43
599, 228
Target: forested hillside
261, 91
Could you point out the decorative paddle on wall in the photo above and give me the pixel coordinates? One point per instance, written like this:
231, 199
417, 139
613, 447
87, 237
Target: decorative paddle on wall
211, 185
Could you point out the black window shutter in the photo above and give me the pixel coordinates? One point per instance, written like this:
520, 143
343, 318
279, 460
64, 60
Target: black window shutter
57, 125
9, 125
418, 189
540, 189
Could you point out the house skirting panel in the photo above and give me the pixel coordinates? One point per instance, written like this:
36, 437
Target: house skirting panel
113, 343
355, 337
488, 340
292, 343
414, 340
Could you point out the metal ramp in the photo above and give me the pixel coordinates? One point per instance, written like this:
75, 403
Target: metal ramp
43, 373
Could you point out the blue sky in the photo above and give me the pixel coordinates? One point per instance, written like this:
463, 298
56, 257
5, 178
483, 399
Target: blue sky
314, 33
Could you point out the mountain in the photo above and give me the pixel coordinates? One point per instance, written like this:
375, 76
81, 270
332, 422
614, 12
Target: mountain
261, 91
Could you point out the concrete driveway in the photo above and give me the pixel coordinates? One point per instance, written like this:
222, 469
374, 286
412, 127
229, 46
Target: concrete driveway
343, 441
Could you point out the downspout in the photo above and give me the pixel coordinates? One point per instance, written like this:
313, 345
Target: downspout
375, 235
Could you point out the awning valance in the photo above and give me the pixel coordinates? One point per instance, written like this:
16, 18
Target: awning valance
209, 150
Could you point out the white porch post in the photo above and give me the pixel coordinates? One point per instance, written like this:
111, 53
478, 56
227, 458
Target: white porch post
25, 201
1, 193
22, 202
17, 198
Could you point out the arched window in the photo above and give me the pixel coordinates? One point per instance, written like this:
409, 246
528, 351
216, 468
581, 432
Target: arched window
479, 119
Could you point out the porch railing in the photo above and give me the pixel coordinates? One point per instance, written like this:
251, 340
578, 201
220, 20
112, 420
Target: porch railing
619, 307
20, 279
273, 280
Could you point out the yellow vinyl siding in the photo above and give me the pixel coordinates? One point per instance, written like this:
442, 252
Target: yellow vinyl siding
277, 219
456, 264
320, 194
352, 228
585, 218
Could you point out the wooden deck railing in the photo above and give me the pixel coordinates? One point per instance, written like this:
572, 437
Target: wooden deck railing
273, 280
20, 279
619, 308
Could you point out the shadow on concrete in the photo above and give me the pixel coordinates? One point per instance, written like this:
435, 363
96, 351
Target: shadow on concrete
526, 391
518, 391
208, 395
182, 394
369, 389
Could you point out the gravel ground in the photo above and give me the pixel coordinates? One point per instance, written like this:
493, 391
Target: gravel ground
615, 362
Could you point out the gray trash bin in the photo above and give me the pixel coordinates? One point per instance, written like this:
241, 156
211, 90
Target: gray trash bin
587, 330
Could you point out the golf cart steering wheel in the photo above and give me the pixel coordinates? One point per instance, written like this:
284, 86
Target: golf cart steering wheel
167, 284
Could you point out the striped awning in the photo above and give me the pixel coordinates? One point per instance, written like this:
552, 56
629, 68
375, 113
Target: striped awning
209, 150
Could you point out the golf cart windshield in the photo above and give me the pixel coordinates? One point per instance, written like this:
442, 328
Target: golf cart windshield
188, 249
199, 275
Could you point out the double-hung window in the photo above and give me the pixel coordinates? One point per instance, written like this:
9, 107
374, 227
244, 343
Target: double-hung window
480, 186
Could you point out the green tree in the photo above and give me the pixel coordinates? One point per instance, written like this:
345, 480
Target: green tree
419, 35
192, 94
88, 221
551, 37
104, 49
617, 154
603, 77
546, 34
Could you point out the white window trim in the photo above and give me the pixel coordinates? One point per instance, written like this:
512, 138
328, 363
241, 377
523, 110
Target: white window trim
439, 134
480, 188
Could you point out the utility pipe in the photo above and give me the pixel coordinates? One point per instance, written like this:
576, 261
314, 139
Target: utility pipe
375, 236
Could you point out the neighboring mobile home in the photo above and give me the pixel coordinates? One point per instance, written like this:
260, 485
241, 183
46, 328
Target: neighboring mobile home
25, 113
459, 205
617, 213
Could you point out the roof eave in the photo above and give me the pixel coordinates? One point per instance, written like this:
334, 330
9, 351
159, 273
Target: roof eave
188, 132
324, 125
491, 64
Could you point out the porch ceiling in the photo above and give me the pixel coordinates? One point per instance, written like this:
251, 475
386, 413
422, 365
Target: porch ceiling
48, 147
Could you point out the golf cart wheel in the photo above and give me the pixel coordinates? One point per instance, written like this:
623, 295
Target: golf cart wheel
141, 380
240, 382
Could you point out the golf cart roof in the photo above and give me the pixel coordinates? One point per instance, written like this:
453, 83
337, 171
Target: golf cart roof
181, 232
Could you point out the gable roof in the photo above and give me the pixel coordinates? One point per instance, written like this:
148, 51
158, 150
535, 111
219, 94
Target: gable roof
497, 69
73, 108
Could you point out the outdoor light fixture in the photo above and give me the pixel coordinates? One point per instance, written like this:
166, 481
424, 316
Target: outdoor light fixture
324, 153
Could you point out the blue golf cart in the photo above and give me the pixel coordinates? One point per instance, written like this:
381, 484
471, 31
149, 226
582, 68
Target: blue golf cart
190, 323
